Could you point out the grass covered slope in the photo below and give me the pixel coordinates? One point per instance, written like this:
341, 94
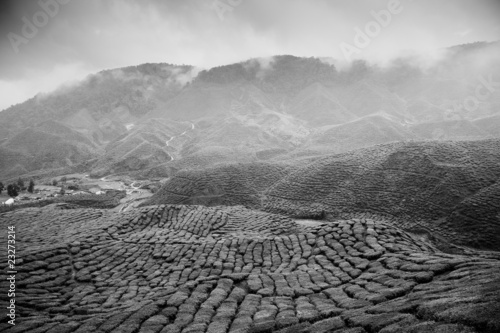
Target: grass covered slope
177, 268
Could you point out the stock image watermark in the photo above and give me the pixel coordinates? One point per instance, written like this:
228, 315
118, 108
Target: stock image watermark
224, 7
372, 29
482, 93
11, 274
31, 27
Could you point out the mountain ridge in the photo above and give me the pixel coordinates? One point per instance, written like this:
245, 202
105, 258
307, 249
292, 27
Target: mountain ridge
281, 103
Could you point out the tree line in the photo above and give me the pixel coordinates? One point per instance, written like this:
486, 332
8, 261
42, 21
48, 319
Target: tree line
15, 188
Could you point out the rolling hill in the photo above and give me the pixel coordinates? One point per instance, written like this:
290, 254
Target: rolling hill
431, 184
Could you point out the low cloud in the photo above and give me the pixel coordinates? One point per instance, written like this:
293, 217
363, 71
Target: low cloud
41, 83
102, 34
183, 77
262, 64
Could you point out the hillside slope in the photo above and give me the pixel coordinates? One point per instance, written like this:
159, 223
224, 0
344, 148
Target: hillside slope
220, 269
74, 124
420, 183
113, 122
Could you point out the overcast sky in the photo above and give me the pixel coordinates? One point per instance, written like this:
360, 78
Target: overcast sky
86, 36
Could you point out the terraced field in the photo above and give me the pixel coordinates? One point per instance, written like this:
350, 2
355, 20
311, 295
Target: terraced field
190, 269
449, 188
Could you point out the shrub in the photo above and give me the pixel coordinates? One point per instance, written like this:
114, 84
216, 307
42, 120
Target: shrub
13, 190
31, 186
20, 183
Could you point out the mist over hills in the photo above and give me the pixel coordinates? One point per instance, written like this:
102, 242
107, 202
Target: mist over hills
249, 111
290, 195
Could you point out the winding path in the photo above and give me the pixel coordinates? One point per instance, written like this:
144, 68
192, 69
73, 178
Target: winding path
173, 137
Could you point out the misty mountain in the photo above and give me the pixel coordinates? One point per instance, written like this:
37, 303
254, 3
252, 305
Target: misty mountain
156, 119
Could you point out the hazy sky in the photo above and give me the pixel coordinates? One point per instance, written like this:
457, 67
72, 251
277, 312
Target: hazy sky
85, 36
